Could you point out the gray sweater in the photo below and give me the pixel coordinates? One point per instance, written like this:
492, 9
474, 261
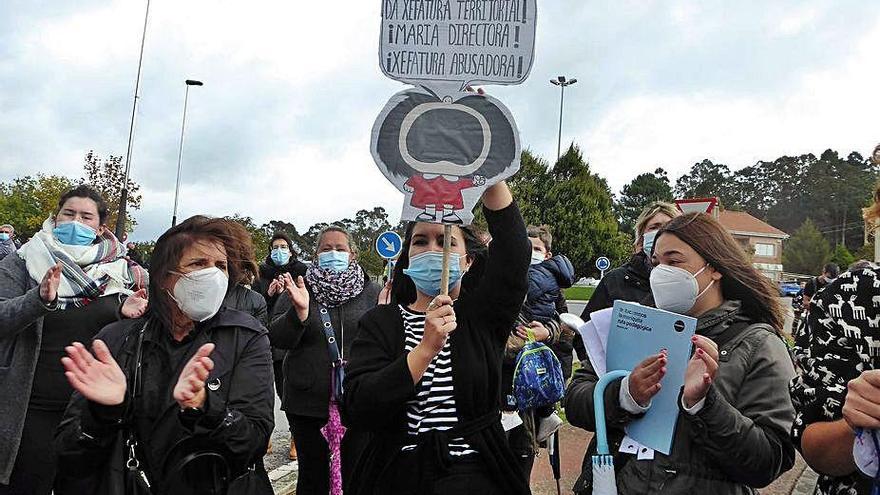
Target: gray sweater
21, 330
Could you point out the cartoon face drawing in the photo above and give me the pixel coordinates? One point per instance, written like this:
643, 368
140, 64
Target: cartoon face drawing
427, 137
443, 154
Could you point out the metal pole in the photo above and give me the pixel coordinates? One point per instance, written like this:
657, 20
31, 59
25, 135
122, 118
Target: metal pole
180, 157
123, 198
561, 102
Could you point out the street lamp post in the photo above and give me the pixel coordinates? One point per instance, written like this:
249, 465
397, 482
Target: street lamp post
562, 82
189, 82
123, 197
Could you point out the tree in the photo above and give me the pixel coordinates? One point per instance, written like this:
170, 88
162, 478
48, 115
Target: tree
806, 252
578, 208
866, 252
634, 196
146, 248
529, 186
107, 176
705, 180
28, 201
836, 189
777, 191
258, 235
829, 189
842, 256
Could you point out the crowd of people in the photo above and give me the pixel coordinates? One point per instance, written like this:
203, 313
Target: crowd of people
119, 379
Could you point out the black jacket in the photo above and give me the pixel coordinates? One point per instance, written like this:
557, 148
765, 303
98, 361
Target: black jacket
378, 383
630, 282
307, 365
238, 418
247, 301
269, 271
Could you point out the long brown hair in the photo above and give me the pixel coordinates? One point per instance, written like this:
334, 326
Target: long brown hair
871, 214
169, 248
740, 280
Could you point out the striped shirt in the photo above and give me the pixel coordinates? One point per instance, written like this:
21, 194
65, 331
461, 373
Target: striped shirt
434, 405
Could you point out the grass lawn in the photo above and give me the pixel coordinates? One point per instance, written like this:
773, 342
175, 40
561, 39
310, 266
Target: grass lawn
579, 293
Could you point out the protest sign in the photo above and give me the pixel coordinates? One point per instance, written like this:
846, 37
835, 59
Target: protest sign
442, 155
446, 45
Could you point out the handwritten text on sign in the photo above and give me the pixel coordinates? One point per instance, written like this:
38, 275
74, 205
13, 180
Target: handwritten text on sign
460, 41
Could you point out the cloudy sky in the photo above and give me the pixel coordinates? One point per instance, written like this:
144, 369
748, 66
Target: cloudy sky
281, 128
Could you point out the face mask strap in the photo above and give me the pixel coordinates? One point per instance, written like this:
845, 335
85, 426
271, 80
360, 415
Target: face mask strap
711, 282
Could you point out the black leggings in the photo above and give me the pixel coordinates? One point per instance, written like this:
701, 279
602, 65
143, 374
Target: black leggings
278, 368
35, 464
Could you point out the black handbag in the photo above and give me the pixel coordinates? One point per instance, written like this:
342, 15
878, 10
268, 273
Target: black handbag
123, 474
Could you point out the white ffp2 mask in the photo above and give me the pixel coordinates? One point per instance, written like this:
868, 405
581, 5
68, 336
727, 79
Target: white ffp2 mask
676, 289
200, 294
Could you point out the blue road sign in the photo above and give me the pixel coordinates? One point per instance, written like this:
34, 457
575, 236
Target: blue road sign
603, 263
389, 245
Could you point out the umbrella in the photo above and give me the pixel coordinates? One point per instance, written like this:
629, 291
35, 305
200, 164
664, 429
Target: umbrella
553, 449
333, 432
603, 463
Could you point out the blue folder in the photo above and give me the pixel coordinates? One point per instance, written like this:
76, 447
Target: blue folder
638, 332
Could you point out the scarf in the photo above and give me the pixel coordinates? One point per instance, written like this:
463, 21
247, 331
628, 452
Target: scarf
331, 288
87, 272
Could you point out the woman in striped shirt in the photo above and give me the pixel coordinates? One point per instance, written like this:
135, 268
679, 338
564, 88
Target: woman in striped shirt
426, 370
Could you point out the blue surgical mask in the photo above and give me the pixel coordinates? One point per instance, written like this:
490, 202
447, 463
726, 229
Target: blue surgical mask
425, 271
74, 233
280, 256
4, 236
648, 239
337, 261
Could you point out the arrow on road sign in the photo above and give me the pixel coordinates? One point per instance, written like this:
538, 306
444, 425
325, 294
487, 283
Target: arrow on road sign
389, 245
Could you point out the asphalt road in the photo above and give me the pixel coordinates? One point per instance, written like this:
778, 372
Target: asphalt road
280, 440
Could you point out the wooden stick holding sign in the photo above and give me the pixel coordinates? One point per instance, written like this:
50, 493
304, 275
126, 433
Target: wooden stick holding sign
447, 247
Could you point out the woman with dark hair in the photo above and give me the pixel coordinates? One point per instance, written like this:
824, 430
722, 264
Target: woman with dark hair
425, 372
338, 288
65, 284
731, 435
188, 385
280, 260
270, 284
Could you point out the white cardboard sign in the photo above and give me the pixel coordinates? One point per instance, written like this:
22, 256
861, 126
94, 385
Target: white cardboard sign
446, 45
443, 154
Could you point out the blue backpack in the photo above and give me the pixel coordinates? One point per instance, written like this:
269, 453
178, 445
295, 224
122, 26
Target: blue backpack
537, 378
